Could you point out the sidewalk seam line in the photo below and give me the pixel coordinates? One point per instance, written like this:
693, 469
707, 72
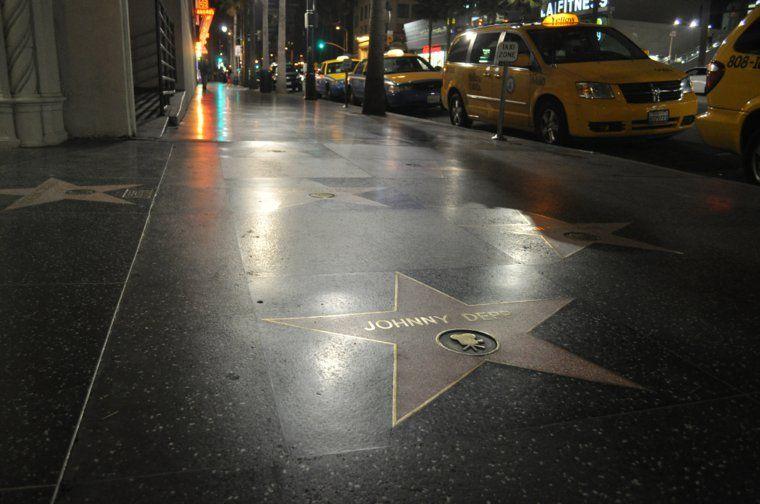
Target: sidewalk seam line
98, 363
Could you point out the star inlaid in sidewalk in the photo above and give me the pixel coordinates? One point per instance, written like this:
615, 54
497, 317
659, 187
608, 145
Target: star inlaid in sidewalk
567, 238
438, 340
270, 199
56, 190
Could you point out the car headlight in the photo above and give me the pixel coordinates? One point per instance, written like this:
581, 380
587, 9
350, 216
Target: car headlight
686, 86
595, 91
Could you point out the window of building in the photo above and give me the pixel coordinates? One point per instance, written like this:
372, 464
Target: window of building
484, 47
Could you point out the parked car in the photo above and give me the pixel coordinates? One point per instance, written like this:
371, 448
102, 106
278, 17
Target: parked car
570, 79
698, 78
292, 77
732, 120
410, 81
330, 79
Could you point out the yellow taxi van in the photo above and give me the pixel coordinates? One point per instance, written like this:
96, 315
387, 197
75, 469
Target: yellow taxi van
570, 80
732, 120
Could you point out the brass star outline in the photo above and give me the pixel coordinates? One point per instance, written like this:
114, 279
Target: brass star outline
516, 347
53, 189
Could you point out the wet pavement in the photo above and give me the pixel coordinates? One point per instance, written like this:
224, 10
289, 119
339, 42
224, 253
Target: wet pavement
290, 302
685, 151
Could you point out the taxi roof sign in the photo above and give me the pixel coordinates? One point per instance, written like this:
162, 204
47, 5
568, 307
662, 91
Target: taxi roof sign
561, 20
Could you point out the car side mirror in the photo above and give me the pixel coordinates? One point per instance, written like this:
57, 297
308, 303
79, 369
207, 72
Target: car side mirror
522, 61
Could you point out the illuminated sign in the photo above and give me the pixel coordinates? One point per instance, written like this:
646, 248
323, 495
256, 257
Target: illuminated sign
561, 20
572, 6
201, 4
204, 12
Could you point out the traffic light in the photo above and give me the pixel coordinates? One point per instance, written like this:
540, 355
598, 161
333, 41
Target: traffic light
321, 45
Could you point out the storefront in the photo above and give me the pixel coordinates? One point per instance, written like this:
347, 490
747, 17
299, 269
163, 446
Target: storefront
584, 9
418, 41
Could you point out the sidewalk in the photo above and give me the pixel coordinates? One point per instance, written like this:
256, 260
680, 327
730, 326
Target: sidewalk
297, 303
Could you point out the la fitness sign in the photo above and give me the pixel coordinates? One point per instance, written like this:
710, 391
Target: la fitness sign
572, 6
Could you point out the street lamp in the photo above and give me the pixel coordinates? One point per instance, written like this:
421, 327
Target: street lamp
224, 28
677, 22
694, 23
673, 34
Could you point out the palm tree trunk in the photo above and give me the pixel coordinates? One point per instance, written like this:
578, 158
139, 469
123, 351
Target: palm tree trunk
374, 86
265, 36
250, 54
282, 59
430, 40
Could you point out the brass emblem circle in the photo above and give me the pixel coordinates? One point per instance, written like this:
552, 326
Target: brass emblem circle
322, 195
579, 235
467, 342
79, 192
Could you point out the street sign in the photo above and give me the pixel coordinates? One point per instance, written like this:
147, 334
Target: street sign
506, 52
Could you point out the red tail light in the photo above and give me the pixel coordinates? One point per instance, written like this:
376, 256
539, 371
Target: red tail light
715, 72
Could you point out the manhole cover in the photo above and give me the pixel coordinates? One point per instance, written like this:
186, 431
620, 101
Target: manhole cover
581, 236
76, 192
467, 342
322, 195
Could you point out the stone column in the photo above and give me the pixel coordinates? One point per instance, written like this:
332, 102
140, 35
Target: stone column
51, 99
19, 41
7, 126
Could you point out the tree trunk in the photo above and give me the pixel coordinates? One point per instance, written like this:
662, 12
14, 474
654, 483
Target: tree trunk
374, 86
282, 58
265, 36
233, 58
430, 40
251, 52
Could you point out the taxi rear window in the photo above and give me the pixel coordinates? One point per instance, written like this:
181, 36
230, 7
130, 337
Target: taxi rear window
407, 64
749, 41
334, 67
579, 44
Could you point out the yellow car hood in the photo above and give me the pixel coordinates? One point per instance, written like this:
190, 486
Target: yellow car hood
402, 78
619, 72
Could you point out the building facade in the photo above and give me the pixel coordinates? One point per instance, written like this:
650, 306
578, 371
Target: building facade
76, 68
401, 12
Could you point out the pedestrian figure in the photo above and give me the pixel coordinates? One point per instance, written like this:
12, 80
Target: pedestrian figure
205, 70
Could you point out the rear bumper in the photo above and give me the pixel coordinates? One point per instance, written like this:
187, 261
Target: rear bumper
721, 128
610, 119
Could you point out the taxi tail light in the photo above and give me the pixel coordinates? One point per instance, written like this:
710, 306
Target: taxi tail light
715, 72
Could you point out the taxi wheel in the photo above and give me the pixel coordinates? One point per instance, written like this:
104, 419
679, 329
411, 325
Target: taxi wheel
458, 113
752, 159
551, 123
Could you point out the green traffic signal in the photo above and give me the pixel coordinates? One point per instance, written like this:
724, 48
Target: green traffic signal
321, 45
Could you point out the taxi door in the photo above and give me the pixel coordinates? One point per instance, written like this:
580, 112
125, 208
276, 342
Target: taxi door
357, 80
482, 83
522, 78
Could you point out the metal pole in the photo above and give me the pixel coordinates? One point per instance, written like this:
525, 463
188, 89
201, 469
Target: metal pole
502, 104
704, 20
310, 84
670, 51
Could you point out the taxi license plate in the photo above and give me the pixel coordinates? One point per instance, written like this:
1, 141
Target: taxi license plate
434, 99
659, 117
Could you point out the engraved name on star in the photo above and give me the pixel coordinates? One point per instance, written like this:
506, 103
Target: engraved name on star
424, 368
53, 190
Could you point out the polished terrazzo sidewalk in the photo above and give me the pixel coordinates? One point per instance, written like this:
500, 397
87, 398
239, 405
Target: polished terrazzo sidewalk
297, 303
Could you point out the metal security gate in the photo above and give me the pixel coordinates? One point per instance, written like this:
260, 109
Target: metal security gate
166, 57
